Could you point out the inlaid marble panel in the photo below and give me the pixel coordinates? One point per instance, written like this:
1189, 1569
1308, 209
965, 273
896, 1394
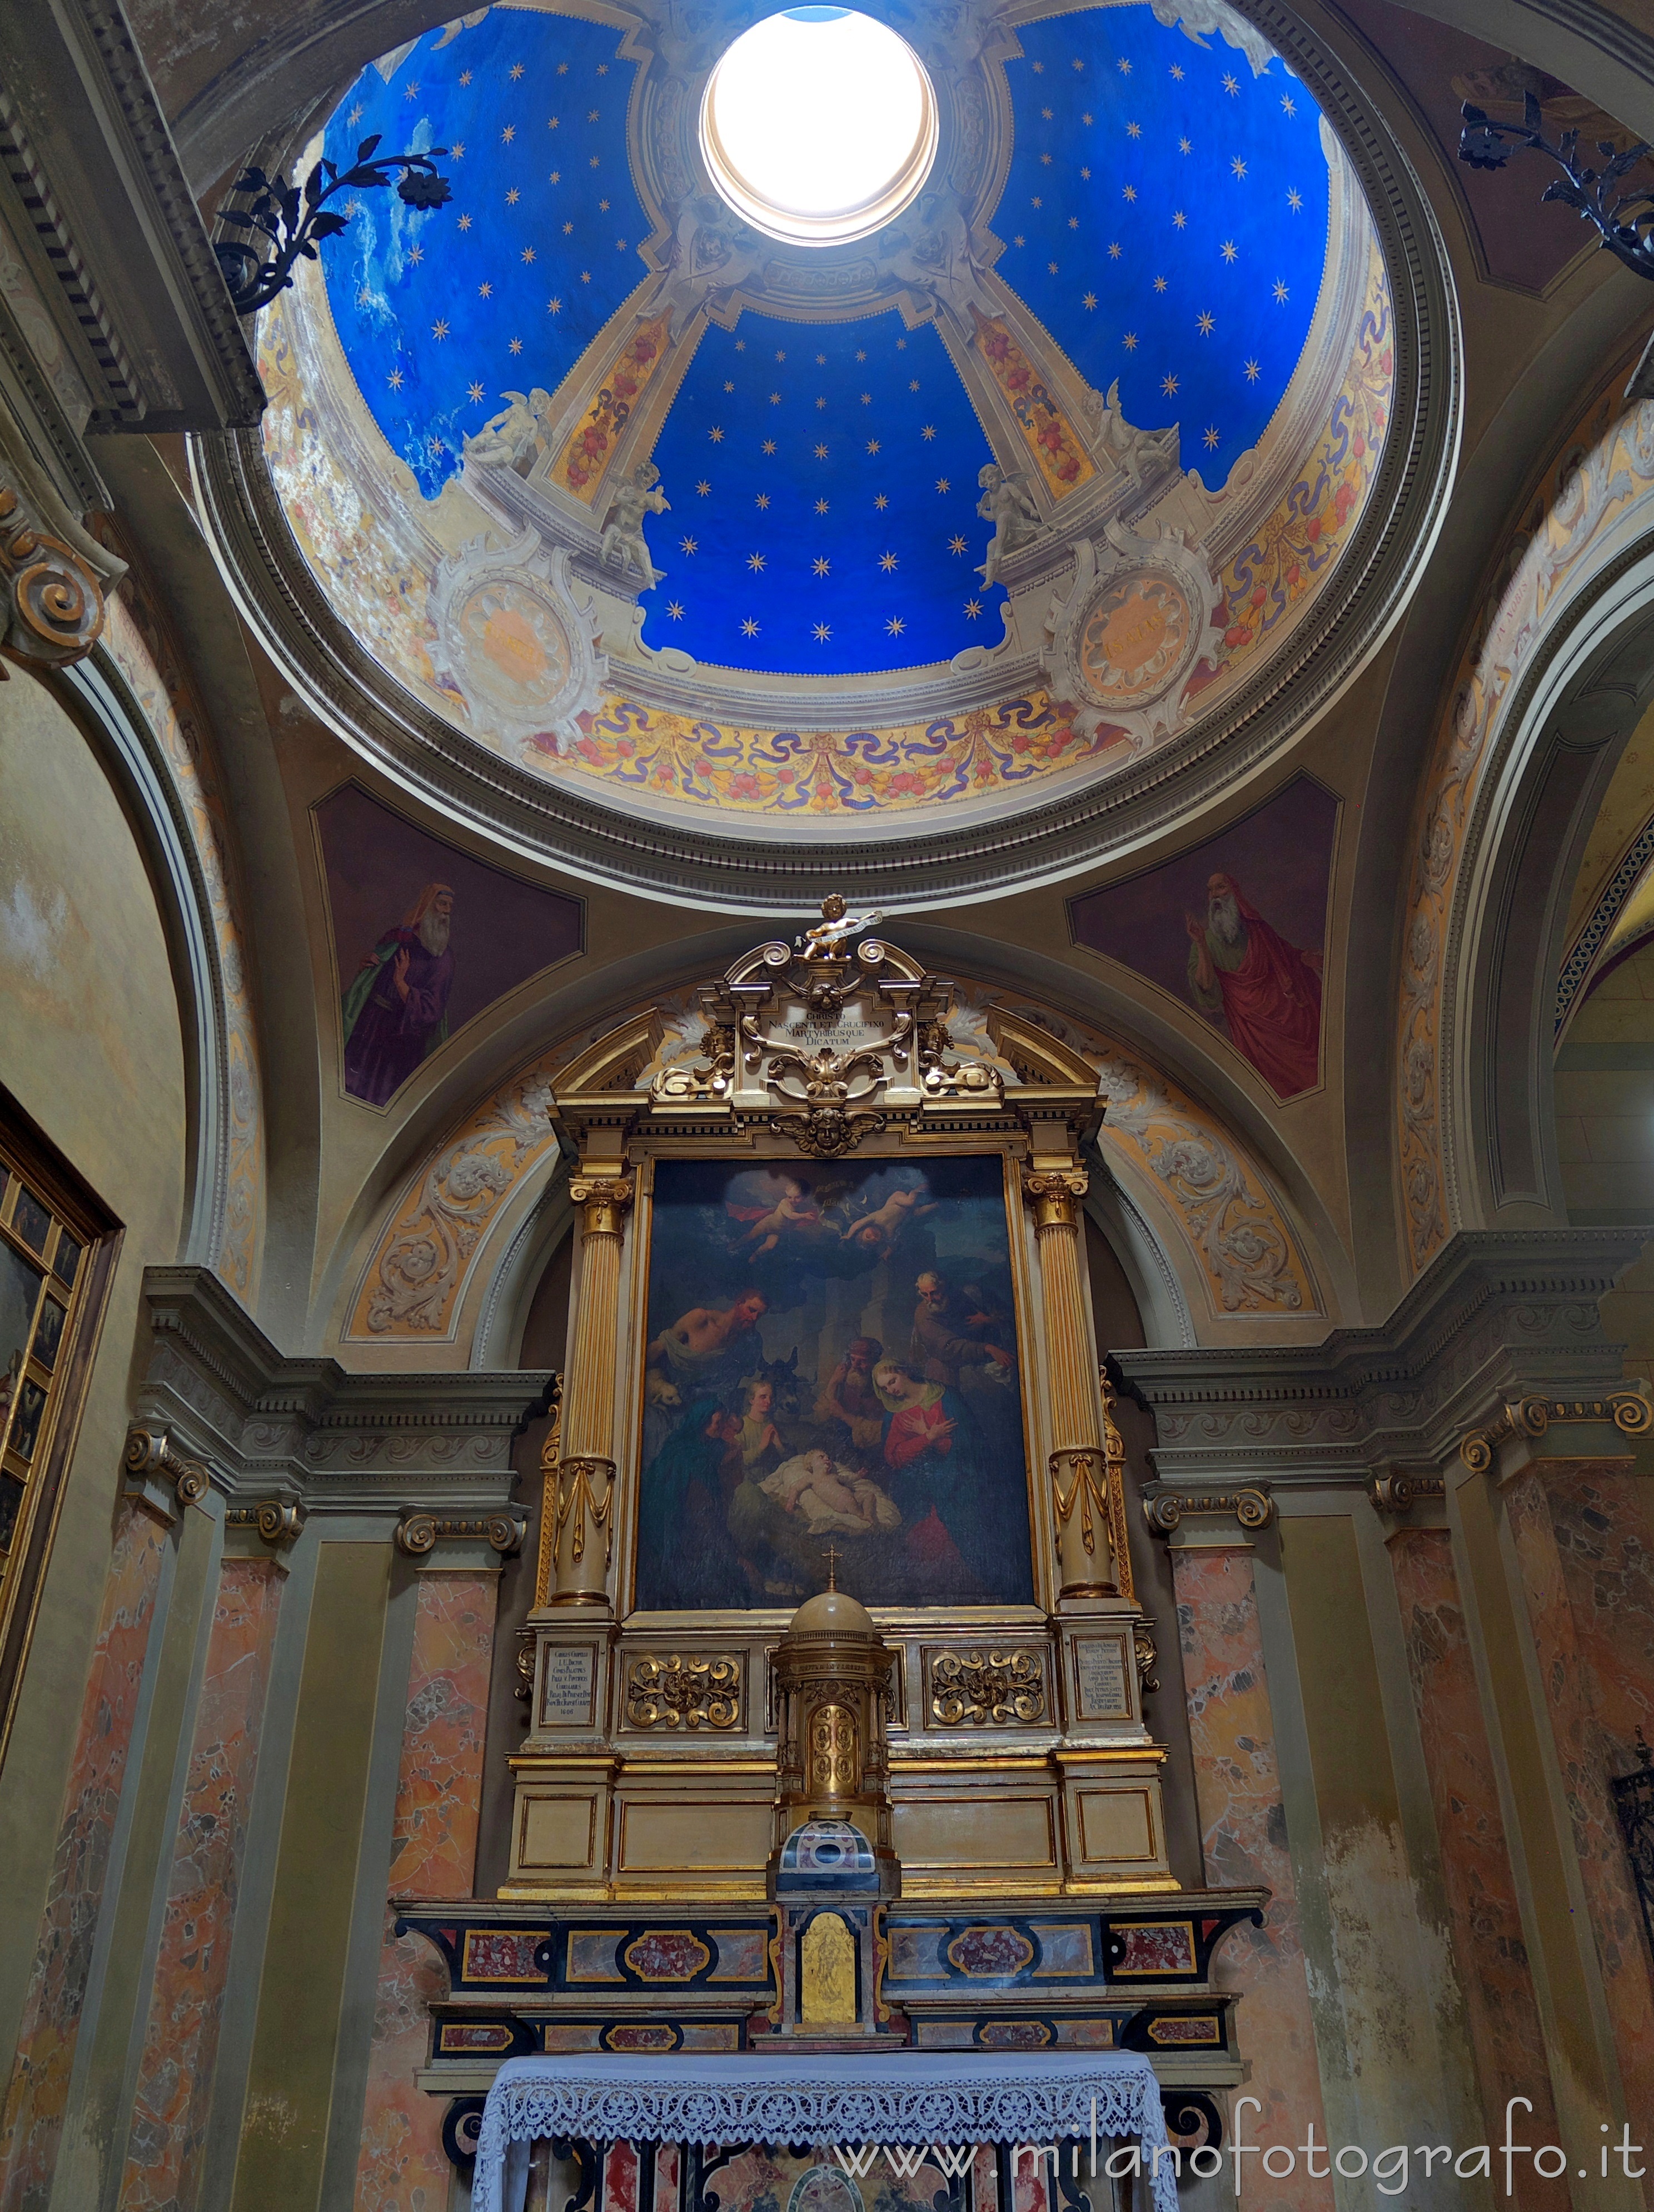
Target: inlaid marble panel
1244, 1838
403, 2166
39, 2091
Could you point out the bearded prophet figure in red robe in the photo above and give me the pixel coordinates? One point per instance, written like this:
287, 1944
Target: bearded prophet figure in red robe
1266, 991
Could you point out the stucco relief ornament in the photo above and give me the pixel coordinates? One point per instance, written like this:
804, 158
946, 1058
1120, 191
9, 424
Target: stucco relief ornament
1134, 625
519, 646
507, 439
624, 544
939, 257
712, 254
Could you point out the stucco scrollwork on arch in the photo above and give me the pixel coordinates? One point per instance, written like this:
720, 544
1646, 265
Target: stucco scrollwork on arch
1592, 501
1235, 1228
415, 1276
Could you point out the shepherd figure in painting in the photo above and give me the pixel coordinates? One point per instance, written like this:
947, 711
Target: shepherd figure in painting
1266, 992
396, 1007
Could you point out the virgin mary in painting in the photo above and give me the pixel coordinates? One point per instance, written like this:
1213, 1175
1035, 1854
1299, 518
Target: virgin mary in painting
831, 1360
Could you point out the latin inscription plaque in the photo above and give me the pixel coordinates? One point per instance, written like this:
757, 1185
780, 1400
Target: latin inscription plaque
566, 1697
1100, 1666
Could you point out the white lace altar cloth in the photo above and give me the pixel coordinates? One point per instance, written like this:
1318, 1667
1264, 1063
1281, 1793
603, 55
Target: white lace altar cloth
903, 2098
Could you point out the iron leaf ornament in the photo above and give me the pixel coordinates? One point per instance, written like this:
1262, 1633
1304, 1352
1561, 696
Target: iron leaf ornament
1624, 220
285, 222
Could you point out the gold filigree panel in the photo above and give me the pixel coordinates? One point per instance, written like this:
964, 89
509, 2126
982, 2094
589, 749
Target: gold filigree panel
692, 1691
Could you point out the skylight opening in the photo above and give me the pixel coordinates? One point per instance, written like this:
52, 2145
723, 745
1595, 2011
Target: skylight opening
819, 125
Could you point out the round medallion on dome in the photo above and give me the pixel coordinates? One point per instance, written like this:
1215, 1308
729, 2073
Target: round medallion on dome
819, 125
1134, 638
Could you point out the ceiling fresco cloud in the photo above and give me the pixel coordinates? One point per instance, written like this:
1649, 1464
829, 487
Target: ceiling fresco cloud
947, 520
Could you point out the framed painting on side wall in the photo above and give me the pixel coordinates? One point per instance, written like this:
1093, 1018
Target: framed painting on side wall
56, 1254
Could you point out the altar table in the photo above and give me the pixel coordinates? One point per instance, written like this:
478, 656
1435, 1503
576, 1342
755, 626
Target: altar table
900, 2097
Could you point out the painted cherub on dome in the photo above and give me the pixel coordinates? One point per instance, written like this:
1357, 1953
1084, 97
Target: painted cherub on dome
938, 258
712, 251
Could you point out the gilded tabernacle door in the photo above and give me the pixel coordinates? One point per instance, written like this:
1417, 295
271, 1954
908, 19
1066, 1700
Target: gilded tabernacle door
830, 1329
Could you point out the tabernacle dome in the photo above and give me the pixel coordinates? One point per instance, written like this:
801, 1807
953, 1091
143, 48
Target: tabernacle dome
723, 510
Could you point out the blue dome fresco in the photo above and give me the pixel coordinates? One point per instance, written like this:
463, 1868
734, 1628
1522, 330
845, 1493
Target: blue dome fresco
940, 469
1162, 226
1166, 217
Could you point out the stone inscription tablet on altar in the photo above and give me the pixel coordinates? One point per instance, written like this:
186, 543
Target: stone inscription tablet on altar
1100, 1675
566, 1693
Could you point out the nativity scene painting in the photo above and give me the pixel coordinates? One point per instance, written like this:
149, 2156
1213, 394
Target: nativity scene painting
831, 1362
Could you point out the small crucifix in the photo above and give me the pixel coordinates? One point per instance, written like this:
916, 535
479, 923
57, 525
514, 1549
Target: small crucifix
832, 1556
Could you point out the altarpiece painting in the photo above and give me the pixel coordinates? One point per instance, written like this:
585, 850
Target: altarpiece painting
831, 1360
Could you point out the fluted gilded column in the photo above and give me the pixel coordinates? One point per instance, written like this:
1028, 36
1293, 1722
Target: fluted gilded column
584, 1531
1078, 1461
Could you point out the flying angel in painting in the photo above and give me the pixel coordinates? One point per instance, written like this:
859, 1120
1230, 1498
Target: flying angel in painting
878, 1229
795, 1212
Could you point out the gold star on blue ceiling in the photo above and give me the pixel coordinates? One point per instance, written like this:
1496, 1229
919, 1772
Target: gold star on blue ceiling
1171, 219
824, 550
532, 303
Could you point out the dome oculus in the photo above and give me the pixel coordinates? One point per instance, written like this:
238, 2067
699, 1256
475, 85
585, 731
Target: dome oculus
819, 125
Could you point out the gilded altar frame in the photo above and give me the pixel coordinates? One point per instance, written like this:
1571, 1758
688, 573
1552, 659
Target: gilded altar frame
1020, 1763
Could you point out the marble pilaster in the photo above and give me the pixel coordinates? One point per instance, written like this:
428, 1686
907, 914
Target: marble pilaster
1583, 1539
1489, 1942
1243, 1840
38, 2095
173, 2097
403, 2166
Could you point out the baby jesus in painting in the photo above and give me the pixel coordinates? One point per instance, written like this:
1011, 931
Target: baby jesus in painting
830, 1495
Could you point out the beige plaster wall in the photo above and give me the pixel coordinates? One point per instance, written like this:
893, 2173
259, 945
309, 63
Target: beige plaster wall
91, 1048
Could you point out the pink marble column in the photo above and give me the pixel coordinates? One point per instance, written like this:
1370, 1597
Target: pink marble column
37, 2094
1488, 1944
180, 2038
1584, 1540
403, 2166
1243, 1839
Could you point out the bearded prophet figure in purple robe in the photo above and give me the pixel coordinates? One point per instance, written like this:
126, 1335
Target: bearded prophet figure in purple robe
395, 1006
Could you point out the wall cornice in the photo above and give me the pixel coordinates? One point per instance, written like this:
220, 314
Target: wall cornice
1496, 1316
306, 1432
